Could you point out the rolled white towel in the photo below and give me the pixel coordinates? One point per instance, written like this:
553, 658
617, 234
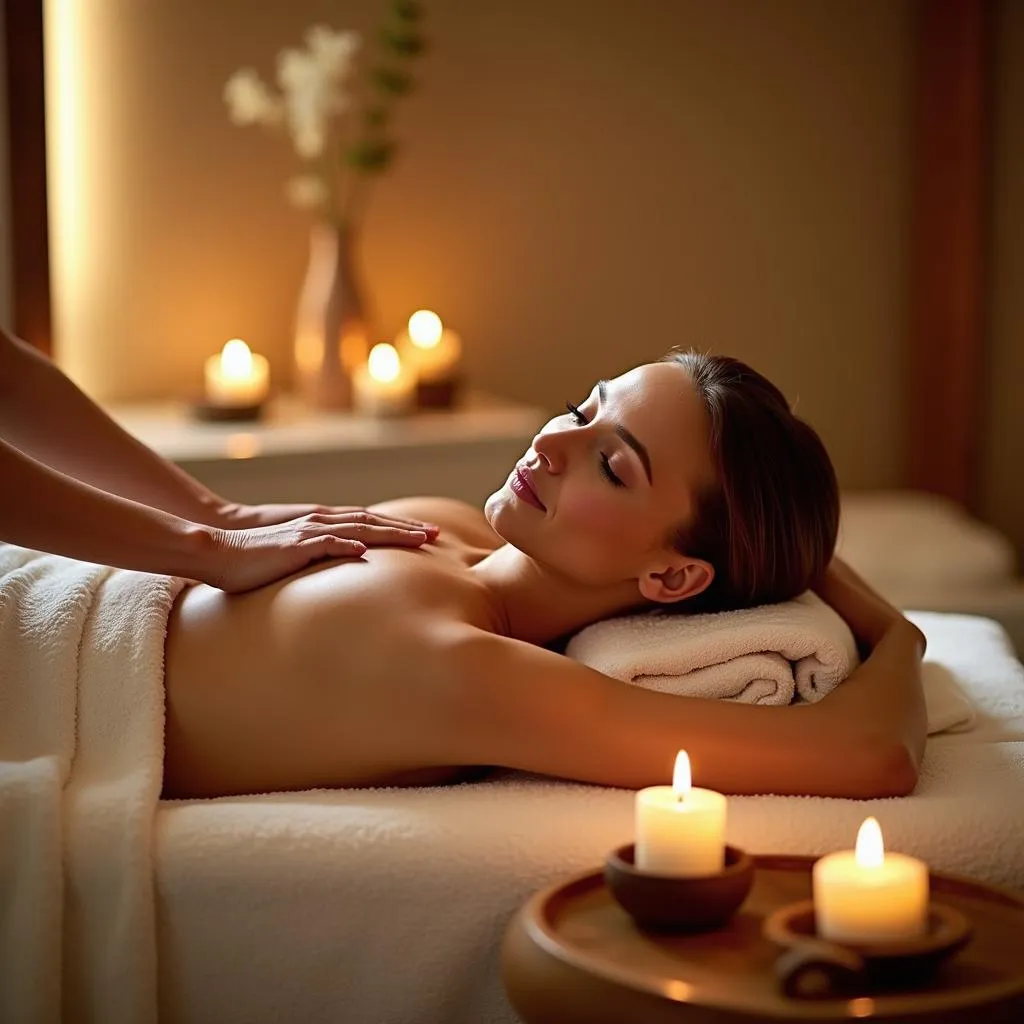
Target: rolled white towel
795, 652
764, 655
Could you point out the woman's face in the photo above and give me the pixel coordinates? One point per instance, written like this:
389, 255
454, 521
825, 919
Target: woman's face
600, 490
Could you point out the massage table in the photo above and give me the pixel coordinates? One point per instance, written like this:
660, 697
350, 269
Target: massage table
387, 906
381, 906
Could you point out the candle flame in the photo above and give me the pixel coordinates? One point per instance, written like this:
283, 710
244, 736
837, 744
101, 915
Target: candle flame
236, 360
425, 328
681, 777
870, 851
384, 364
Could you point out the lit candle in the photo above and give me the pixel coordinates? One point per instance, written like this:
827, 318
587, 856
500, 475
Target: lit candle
433, 352
384, 386
680, 830
868, 895
236, 377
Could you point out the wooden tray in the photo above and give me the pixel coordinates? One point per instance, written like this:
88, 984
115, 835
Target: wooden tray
572, 955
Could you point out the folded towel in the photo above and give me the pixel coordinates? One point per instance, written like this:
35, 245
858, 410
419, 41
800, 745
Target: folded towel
949, 708
778, 654
81, 765
766, 655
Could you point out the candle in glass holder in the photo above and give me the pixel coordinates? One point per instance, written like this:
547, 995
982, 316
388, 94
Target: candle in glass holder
680, 830
236, 377
433, 351
867, 895
384, 386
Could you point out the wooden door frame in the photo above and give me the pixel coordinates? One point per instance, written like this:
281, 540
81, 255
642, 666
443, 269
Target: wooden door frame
26, 126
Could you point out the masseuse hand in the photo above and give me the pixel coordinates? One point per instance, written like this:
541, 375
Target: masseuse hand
265, 542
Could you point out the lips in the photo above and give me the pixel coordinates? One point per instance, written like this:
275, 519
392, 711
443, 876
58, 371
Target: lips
523, 487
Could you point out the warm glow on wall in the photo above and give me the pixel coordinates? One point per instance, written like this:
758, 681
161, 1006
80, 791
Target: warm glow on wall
69, 170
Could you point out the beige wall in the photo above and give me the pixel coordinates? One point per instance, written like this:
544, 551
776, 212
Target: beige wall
1003, 457
6, 309
583, 184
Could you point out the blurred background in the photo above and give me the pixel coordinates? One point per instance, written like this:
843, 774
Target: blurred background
833, 192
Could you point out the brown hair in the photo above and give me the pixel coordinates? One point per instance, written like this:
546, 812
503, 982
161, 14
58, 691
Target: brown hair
768, 524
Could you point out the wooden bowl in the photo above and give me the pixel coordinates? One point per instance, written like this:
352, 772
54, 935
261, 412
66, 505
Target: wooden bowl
669, 903
815, 967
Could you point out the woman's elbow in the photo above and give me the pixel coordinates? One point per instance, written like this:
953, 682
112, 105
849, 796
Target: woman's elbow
888, 770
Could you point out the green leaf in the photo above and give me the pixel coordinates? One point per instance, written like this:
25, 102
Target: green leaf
404, 43
371, 157
392, 82
407, 10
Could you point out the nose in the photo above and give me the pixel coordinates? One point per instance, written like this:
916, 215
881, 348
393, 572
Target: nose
552, 448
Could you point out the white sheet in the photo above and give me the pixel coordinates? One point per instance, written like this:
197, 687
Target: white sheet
388, 906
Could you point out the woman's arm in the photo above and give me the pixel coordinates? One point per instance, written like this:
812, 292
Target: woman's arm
510, 703
47, 417
886, 689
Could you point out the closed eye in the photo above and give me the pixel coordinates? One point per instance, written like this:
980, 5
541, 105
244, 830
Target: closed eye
574, 412
605, 465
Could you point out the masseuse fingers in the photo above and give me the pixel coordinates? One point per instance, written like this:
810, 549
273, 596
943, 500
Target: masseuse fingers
381, 535
364, 518
327, 545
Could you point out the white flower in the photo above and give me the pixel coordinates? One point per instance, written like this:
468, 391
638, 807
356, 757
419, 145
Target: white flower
250, 101
308, 100
313, 83
333, 50
306, 191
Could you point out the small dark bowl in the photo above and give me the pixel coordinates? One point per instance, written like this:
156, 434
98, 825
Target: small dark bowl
211, 412
846, 966
667, 903
438, 394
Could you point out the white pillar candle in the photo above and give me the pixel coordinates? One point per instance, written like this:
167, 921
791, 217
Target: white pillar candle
868, 895
236, 377
432, 350
680, 830
384, 386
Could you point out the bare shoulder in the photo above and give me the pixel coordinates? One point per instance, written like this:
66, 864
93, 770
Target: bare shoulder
459, 518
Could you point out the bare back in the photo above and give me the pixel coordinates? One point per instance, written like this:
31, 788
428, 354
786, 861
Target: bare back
323, 678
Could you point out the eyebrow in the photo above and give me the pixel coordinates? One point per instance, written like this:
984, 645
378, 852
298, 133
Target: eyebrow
631, 439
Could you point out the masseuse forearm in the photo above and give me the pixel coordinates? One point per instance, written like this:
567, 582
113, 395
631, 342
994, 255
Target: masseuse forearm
46, 416
40, 503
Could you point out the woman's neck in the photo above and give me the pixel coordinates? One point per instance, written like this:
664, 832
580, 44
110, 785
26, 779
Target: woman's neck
536, 604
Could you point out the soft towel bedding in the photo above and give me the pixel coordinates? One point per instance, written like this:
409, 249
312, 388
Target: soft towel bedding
81, 767
387, 906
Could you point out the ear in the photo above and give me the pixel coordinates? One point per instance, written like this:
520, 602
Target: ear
684, 578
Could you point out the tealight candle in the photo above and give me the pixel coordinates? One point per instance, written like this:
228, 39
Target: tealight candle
680, 830
433, 352
236, 377
384, 386
868, 895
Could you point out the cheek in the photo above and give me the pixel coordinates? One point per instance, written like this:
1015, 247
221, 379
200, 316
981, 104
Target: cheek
598, 534
592, 514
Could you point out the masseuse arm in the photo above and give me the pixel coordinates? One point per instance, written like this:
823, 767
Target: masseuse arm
49, 511
520, 706
48, 418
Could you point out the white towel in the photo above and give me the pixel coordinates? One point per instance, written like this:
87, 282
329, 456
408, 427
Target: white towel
81, 767
778, 654
765, 655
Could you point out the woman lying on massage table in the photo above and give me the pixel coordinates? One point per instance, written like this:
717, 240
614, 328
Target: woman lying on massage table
686, 483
